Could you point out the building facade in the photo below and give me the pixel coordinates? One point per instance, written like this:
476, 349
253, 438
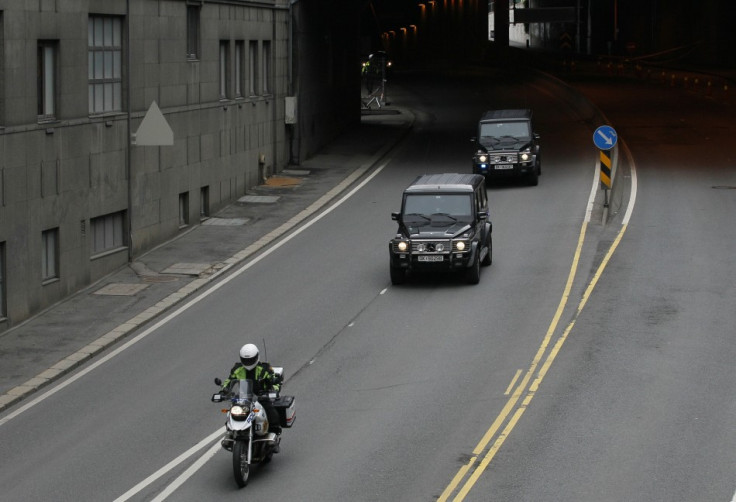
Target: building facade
77, 77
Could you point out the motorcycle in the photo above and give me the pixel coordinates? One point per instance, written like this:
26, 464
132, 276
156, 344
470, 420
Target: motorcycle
247, 433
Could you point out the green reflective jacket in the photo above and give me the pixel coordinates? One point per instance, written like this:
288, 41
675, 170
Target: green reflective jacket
262, 373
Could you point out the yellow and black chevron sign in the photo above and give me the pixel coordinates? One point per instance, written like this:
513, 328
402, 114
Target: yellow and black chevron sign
606, 169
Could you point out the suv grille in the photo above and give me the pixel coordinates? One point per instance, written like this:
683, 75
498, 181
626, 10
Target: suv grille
504, 158
430, 247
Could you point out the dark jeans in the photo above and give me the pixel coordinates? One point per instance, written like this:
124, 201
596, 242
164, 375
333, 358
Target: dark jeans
274, 422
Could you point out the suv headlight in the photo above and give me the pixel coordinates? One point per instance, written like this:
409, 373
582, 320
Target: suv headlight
402, 246
526, 156
482, 158
460, 246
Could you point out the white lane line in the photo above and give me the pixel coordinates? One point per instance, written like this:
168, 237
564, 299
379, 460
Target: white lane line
188, 473
593, 191
190, 303
178, 460
210, 453
634, 184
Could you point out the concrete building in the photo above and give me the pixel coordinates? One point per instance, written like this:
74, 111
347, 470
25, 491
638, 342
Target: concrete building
77, 200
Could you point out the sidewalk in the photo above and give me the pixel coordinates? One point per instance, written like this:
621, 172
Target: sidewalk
59, 339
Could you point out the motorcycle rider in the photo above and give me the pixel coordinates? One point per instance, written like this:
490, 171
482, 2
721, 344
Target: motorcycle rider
251, 368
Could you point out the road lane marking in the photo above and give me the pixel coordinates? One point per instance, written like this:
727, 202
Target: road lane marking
537, 381
458, 477
511, 403
181, 458
513, 382
184, 476
165, 469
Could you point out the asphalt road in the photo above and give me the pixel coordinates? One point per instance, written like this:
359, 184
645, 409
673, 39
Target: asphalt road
640, 404
566, 374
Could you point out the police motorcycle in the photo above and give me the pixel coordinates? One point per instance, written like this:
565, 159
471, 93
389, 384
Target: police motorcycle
247, 433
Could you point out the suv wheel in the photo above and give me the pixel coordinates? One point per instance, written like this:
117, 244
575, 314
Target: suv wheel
473, 273
398, 275
489, 256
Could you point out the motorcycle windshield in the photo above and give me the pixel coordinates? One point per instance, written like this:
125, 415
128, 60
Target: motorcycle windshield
242, 391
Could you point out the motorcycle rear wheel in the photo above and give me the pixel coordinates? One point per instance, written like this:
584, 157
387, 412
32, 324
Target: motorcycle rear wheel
240, 463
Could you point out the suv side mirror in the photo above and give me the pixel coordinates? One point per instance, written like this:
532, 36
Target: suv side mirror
536, 136
483, 215
395, 216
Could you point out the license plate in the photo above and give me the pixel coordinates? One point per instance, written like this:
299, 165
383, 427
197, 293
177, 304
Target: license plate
503, 166
429, 258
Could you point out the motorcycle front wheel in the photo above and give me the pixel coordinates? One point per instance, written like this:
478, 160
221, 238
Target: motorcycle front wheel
240, 463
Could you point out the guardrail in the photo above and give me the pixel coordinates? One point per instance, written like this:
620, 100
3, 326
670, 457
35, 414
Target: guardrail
710, 84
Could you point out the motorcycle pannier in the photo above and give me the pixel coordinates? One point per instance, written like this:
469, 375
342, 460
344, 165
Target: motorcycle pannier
285, 407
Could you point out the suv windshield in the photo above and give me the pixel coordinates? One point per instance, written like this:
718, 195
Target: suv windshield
429, 207
500, 130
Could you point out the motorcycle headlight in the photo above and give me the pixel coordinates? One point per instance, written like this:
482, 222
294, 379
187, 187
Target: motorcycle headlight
239, 411
402, 246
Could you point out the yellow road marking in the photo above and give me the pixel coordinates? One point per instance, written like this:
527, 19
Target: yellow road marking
511, 403
513, 381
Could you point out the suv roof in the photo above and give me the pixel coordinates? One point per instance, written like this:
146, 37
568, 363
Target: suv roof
446, 182
506, 114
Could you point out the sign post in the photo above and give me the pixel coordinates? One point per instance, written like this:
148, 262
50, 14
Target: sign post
605, 138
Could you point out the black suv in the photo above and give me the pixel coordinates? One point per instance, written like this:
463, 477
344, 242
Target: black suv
507, 146
443, 225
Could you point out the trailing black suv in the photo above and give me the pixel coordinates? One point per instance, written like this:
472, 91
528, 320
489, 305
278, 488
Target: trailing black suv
443, 225
507, 146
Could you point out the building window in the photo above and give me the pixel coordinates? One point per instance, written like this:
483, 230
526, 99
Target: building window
193, 31
239, 65
266, 67
48, 51
253, 73
107, 232
50, 254
183, 209
224, 57
105, 59
3, 305
204, 203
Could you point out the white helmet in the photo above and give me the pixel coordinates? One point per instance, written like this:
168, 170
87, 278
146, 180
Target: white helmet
249, 356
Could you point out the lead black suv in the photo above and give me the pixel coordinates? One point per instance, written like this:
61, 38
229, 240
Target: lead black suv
507, 146
443, 225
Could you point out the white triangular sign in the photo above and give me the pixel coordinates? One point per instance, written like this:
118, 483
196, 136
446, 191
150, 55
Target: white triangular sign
154, 130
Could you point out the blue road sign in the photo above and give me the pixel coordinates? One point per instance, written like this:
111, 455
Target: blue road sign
605, 137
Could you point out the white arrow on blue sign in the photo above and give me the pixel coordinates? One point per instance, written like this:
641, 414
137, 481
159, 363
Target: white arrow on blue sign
605, 137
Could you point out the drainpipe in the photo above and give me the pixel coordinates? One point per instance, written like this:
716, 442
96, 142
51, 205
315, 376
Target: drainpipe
290, 85
128, 162
291, 46
274, 108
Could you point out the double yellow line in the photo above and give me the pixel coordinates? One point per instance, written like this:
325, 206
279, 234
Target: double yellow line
469, 473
